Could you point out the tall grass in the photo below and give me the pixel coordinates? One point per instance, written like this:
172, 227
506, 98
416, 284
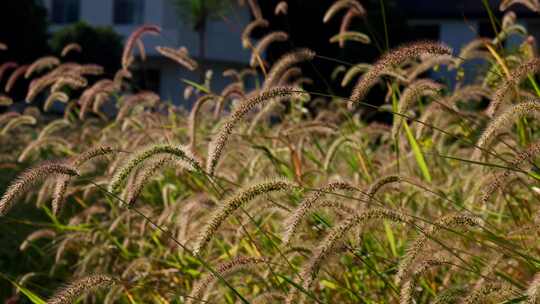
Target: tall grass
276, 194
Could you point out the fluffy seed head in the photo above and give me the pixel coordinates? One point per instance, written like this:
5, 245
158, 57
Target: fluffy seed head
417, 89
29, 178
41, 64
246, 34
350, 35
284, 63
224, 269
533, 291
516, 77
394, 58
56, 96
240, 198
16, 122
14, 76
69, 48
342, 4
181, 56
328, 245
75, 289
413, 252
533, 5
178, 152
293, 221
6, 66
219, 141
133, 38
281, 8
346, 23
263, 44
504, 121
501, 178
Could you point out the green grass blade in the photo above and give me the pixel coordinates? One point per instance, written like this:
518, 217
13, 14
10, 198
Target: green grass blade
196, 86
34, 298
418, 155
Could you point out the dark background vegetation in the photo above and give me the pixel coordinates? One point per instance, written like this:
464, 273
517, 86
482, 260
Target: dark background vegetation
24, 26
101, 45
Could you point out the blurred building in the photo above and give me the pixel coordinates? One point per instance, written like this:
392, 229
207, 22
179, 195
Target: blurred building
454, 22
457, 22
223, 46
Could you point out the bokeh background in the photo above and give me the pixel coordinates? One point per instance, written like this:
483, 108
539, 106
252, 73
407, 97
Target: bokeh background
211, 29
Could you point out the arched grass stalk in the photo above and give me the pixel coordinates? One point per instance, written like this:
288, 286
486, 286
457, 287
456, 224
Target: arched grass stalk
240, 198
133, 38
75, 289
41, 64
246, 34
533, 290
134, 189
263, 44
62, 182
42, 142
350, 36
415, 90
533, 5
181, 56
415, 249
293, 221
516, 77
346, 21
504, 121
71, 47
36, 235
19, 72
382, 181
281, 8
517, 164
178, 152
193, 119
225, 269
170, 236
219, 141
343, 4
408, 288
393, 58
497, 291
30, 177
328, 246
284, 63
56, 96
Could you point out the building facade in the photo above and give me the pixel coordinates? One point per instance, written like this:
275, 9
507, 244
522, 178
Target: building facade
223, 45
457, 22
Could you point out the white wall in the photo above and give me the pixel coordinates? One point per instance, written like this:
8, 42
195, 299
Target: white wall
223, 38
223, 42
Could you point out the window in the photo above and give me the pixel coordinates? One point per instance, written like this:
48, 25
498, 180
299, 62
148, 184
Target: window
128, 11
65, 11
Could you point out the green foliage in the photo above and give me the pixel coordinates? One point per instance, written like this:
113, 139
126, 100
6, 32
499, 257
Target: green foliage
198, 12
100, 45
